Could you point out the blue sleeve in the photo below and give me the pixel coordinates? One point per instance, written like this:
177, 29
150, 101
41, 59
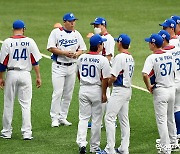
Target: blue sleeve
36, 63
2, 68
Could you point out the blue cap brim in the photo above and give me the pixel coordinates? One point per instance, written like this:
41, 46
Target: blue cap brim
147, 39
95, 23
71, 19
104, 39
164, 25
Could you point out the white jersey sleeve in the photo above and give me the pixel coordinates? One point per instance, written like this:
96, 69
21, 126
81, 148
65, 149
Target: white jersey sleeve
52, 41
108, 45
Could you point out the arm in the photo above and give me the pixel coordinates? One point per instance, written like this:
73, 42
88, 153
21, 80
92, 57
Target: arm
109, 57
61, 52
2, 82
111, 80
147, 82
38, 76
104, 87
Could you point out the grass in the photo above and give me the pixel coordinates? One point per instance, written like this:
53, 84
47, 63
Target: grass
137, 18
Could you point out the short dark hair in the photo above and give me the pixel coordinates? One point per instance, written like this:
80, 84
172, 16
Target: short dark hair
93, 48
125, 46
157, 45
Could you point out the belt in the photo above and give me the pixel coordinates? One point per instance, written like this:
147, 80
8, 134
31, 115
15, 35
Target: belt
13, 68
65, 64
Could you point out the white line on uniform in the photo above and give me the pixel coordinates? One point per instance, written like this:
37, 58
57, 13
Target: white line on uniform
137, 87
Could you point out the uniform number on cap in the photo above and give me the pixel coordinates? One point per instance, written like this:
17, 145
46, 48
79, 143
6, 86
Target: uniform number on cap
17, 54
88, 70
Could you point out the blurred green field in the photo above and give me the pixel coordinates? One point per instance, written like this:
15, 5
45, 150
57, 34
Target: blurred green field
137, 18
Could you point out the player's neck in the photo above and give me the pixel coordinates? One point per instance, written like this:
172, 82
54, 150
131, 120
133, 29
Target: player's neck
165, 44
18, 32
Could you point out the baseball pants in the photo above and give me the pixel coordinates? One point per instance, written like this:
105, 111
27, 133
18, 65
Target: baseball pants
20, 83
89, 107
164, 99
118, 105
63, 80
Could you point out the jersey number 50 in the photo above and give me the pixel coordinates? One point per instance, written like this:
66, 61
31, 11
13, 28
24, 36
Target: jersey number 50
20, 54
88, 70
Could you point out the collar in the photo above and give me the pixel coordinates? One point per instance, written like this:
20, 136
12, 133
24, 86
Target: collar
178, 33
169, 47
159, 51
67, 31
93, 53
105, 34
174, 37
126, 52
17, 36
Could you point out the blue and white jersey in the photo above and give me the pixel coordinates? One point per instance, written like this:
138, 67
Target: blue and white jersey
19, 51
66, 41
175, 51
160, 68
123, 68
92, 67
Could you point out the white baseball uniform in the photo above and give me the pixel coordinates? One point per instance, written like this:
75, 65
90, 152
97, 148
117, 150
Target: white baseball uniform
18, 53
122, 68
175, 41
63, 70
175, 51
92, 67
160, 67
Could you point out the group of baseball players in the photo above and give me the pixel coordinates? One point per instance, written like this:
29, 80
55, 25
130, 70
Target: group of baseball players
98, 70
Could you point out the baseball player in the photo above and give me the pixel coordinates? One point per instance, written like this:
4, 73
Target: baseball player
177, 20
174, 41
66, 44
92, 68
18, 55
100, 27
158, 76
118, 104
170, 25
176, 56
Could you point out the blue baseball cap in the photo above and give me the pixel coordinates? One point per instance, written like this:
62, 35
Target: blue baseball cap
124, 39
169, 23
176, 19
96, 39
155, 38
69, 17
18, 24
99, 21
164, 34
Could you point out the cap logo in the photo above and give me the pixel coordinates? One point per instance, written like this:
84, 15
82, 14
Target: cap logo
120, 39
103, 22
172, 25
178, 21
71, 15
163, 36
153, 40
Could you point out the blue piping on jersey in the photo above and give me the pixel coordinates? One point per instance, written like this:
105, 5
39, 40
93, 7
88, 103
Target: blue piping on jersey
119, 80
2, 68
54, 57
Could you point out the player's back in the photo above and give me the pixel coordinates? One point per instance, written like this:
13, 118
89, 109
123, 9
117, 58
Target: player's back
18, 50
163, 69
91, 67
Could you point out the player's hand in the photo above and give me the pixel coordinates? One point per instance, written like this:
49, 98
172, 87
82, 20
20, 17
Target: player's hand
2, 83
75, 55
104, 98
38, 82
69, 54
150, 89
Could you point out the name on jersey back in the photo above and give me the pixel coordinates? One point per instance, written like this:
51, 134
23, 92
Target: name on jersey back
94, 60
19, 43
162, 58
